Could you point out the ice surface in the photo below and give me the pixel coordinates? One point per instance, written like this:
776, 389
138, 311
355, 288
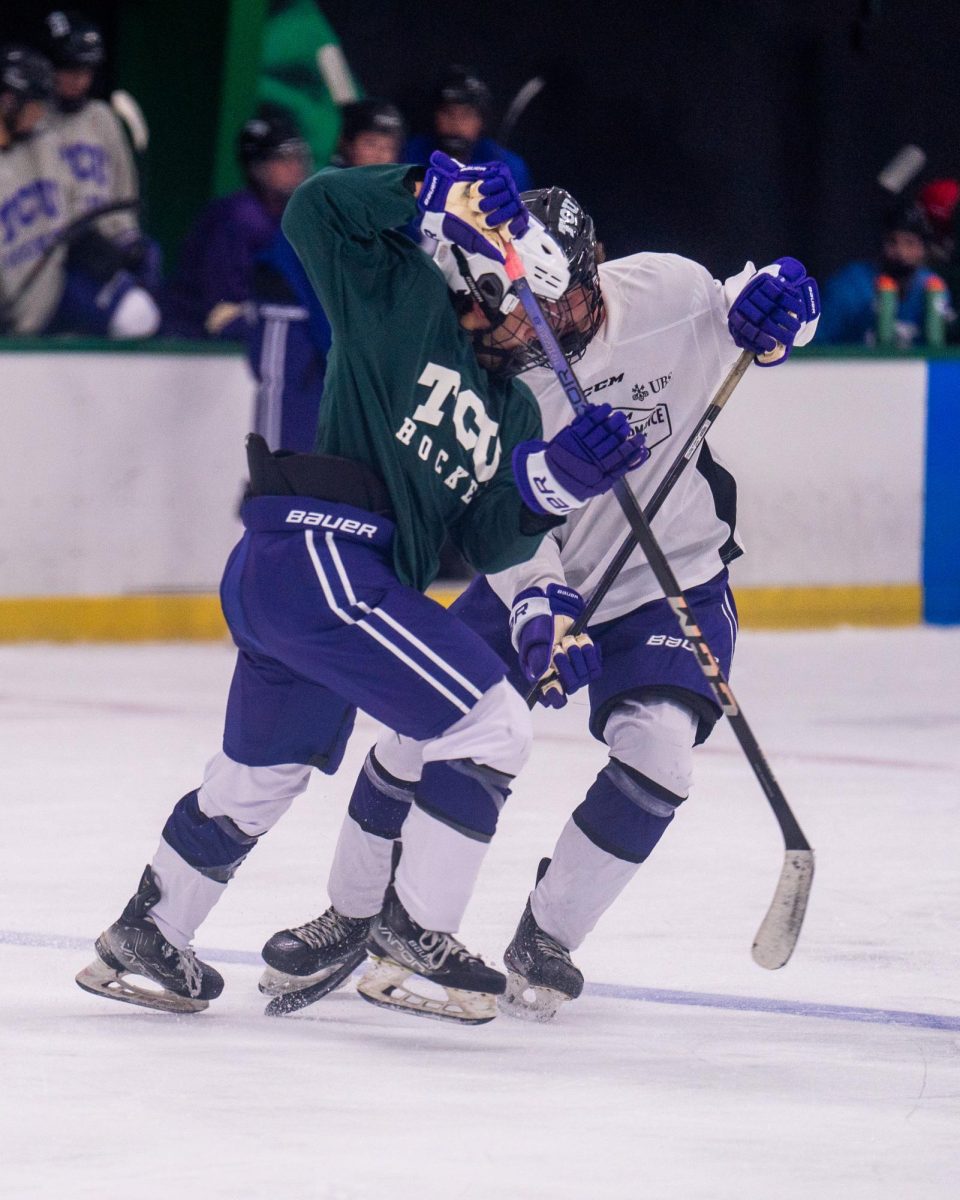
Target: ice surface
685, 1072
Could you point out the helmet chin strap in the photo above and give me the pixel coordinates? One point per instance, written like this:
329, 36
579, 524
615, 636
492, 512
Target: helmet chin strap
494, 316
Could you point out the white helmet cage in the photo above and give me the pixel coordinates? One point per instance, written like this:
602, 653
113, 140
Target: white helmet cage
542, 257
559, 253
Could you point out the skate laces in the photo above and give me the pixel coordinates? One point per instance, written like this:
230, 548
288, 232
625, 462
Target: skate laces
325, 930
437, 947
189, 964
548, 945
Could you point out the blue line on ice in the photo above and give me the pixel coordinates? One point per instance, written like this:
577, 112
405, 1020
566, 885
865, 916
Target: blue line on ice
612, 991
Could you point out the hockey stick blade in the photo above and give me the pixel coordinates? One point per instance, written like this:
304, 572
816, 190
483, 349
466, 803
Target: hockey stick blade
780, 928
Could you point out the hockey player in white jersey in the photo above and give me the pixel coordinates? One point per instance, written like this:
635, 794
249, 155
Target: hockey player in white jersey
653, 335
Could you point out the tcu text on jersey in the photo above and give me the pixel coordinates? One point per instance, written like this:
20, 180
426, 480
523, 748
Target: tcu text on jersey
474, 429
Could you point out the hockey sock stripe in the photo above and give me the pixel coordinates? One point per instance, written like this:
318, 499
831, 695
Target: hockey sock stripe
373, 633
394, 624
727, 610
272, 367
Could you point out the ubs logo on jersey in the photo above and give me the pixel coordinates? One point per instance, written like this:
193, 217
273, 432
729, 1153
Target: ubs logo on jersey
642, 390
654, 422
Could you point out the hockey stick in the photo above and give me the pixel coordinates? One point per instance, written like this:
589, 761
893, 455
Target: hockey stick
665, 487
780, 928
518, 106
63, 235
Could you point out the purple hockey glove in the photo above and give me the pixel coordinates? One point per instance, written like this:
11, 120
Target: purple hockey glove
539, 627
585, 459
445, 204
501, 201
780, 306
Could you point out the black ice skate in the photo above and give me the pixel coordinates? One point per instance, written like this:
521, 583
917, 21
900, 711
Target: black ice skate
133, 945
312, 960
540, 973
447, 981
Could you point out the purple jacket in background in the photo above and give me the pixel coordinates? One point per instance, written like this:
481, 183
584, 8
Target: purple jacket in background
216, 265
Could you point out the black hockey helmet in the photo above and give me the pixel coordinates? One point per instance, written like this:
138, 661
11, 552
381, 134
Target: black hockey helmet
372, 115
272, 133
907, 217
578, 314
462, 85
71, 40
25, 73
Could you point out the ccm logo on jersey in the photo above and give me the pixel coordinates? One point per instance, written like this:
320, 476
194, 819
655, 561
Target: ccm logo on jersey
298, 516
661, 639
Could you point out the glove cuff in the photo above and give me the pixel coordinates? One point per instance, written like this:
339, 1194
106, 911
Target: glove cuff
531, 602
539, 488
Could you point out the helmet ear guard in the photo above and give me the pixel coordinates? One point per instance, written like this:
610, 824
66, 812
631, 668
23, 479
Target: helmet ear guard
467, 274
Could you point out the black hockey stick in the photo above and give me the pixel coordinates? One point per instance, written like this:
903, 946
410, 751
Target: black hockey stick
665, 487
71, 229
780, 928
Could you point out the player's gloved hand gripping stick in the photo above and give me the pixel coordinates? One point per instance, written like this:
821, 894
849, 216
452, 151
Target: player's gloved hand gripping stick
778, 933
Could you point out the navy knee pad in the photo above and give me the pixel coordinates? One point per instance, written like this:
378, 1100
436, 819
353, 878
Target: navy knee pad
624, 813
465, 795
214, 846
380, 802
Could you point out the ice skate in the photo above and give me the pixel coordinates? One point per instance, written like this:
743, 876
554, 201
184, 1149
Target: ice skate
310, 961
177, 981
426, 973
540, 973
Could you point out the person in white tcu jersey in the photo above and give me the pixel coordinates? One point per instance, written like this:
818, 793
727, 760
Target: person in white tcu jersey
653, 335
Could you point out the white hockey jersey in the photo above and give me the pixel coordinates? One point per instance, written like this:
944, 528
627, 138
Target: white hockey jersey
94, 148
659, 357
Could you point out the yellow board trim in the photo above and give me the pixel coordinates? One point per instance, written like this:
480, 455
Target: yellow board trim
176, 617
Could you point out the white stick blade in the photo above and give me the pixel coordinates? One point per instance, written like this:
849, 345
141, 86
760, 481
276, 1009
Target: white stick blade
778, 933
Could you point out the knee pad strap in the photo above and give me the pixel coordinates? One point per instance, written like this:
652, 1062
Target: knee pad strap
465, 795
380, 801
214, 846
622, 815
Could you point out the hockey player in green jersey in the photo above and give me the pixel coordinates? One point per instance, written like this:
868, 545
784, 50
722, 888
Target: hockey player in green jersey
323, 594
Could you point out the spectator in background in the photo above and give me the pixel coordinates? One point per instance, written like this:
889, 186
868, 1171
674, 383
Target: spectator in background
92, 139
851, 297
461, 108
46, 286
938, 199
290, 337
211, 292
371, 134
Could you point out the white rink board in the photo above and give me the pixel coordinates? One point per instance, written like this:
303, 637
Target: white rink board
126, 472
829, 461
123, 472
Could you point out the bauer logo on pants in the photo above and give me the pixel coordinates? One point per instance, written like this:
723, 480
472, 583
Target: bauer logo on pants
654, 422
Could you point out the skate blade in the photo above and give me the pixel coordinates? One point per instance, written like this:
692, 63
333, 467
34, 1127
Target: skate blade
385, 986
101, 980
528, 1002
292, 993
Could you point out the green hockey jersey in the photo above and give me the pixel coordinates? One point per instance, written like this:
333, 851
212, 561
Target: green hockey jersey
404, 392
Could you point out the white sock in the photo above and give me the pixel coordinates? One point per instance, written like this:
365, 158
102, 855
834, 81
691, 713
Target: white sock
360, 871
437, 872
578, 888
186, 896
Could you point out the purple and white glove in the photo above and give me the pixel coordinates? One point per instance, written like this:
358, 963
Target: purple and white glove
585, 459
464, 205
540, 623
778, 309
